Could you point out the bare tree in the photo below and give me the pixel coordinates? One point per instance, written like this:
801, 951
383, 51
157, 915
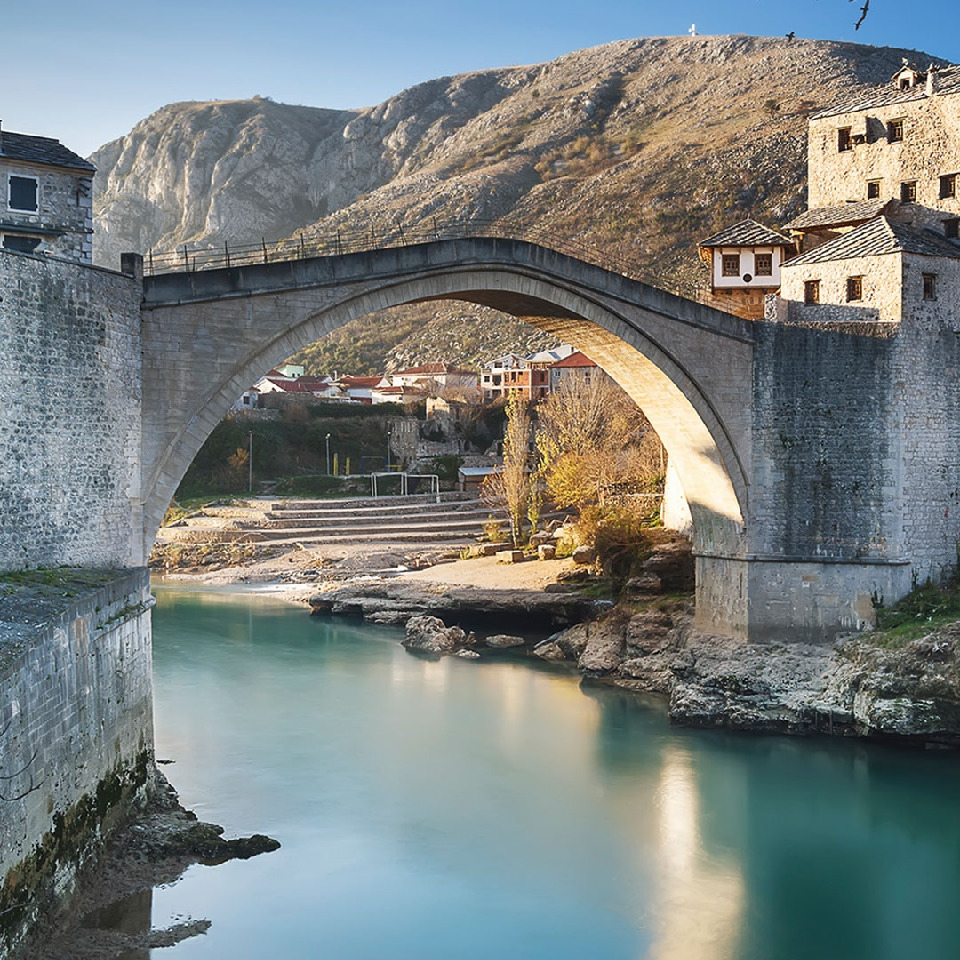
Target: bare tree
510, 486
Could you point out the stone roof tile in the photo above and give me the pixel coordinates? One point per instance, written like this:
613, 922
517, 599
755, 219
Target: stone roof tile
44, 150
876, 239
841, 215
947, 82
747, 233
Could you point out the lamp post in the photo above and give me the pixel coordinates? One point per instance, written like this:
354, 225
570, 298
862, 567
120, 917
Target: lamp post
388, 448
250, 462
328, 454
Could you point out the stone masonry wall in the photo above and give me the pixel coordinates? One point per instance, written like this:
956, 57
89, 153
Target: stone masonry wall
881, 290
76, 733
930, 149
927, 370
826, 454
70, 400
65, 201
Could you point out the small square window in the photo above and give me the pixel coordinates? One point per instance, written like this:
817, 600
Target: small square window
811, 291
948, 186
895, 131
854, 288
763, 264
951, 228
908, 191
22, 193
844, 139
731, 264
873, 189
20, 244
929, 286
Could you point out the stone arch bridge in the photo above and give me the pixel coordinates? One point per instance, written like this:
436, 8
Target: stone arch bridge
786, 439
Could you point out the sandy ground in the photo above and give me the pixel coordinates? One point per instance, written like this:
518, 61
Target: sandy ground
298, 574
486, 574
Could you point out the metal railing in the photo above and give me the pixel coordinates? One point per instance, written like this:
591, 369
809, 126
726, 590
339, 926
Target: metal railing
339, 242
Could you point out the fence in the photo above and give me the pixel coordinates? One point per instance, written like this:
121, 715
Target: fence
340, 242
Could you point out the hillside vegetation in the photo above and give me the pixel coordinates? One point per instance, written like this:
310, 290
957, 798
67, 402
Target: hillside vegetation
637, 148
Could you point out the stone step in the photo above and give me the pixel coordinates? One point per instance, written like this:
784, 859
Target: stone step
370, 519
446, 496
377, 508
438, 527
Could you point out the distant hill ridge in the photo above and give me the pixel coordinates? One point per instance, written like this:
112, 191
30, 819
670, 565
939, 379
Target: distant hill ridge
639, 146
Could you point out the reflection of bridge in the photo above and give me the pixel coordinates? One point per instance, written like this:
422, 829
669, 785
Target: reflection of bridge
793, 479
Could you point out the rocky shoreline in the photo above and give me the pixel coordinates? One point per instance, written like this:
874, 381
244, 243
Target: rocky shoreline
110, 915
910, 694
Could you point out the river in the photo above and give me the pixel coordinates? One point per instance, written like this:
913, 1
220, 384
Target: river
494, 809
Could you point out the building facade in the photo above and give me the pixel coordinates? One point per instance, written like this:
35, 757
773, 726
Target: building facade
47, 198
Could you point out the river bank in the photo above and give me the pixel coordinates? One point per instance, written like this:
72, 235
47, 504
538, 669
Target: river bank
909, 692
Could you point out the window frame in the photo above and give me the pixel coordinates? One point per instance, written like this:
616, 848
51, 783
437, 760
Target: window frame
855, 288
908, 191
873, 189
895, 130
730, 265
844, 139
36, 193
948, 186
811, 291
929, 286
19, 236
766, 259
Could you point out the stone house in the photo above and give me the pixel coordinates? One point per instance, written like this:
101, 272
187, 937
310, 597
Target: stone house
879, 240
744, 263
575, 367
899, 143
47, 199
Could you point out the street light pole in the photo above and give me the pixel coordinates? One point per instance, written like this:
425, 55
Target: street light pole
250, 465
388, 448
328, 454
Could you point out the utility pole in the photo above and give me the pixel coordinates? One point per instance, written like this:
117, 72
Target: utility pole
388, 448
250, 464
327, 439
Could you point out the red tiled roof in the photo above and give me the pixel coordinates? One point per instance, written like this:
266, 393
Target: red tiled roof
431, 369
360, 381
577, 359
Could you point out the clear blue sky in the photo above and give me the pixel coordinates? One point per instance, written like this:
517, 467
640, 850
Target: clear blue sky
87, 72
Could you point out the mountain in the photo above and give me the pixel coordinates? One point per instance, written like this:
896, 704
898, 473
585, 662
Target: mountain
637, 148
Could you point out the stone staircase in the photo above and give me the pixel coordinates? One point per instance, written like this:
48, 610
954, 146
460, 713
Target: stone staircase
412, 520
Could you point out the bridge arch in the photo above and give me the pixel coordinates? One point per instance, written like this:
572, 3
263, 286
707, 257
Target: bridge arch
208, 335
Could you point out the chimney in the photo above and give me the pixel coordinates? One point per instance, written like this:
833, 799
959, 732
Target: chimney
931, 80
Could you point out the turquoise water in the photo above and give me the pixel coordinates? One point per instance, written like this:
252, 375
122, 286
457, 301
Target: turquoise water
458, 809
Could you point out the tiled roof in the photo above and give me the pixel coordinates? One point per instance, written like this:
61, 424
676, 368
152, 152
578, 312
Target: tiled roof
576, 359
947, 82
432, 369
21, 146
349, 381
747, 233
842, 215
877, 238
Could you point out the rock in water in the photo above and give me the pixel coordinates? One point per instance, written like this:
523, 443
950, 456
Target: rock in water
431, 635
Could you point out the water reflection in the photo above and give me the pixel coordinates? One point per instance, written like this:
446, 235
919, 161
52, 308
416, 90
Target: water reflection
492, 809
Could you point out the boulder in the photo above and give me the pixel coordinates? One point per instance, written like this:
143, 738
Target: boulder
431, 635
604, 647
584, 555
503, 641
547, 551
673, 564
549, 650
573, 641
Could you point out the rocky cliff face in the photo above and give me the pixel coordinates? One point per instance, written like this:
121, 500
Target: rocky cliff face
637, 148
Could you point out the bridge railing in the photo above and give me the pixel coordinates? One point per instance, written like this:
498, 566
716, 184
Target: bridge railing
314, 243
